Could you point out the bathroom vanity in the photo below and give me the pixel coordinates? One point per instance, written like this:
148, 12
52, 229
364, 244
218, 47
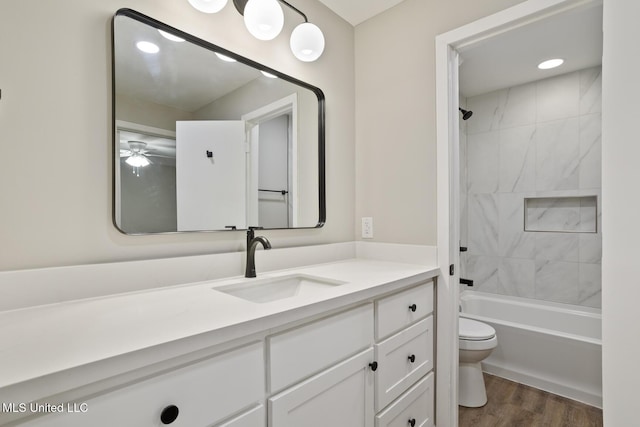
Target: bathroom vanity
347, 343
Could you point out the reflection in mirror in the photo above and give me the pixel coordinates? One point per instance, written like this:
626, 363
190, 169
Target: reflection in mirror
207, 140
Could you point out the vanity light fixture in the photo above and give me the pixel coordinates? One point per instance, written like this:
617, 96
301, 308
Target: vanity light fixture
265, 19
550, 63
148, 47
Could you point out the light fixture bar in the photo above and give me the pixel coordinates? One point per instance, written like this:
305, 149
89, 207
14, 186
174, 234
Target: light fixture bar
240, 4
264, 19
294, 8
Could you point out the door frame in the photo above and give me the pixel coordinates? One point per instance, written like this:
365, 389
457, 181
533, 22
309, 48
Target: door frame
448, 172
286, 105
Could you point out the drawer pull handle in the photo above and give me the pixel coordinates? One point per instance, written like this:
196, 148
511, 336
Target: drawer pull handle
373, 366
412, 358
412, 422
169, 414
413, 307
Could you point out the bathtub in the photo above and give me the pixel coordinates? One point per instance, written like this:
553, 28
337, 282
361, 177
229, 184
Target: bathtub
550, 346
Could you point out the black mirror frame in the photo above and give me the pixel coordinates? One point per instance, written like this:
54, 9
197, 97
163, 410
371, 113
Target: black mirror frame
130, 13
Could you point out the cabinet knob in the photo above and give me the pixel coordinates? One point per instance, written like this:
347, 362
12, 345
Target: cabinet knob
412, 422
373, 366
413, 307
169, 414
412, 358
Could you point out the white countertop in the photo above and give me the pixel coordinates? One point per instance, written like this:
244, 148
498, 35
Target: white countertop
47, 339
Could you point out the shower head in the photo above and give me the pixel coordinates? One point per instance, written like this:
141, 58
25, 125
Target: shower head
465, 113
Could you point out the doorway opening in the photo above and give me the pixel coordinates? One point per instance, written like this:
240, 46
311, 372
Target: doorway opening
453, 50
272, 150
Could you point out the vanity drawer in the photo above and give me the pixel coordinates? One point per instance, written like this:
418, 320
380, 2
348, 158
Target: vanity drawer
402, 360
204, 393
402, 309
414, 408
301, 352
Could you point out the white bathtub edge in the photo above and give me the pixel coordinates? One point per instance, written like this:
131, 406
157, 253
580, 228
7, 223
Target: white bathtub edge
552, 387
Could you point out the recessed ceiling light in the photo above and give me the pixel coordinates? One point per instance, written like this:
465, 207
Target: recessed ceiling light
271, 76
148, 47
170, 36
224, 57
551, 63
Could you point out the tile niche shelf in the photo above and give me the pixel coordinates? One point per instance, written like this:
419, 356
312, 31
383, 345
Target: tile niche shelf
561, 214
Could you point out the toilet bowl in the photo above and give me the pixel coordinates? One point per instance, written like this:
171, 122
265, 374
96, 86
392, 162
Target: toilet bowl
476, 341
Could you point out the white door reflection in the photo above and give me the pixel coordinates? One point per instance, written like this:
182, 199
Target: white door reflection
210, 175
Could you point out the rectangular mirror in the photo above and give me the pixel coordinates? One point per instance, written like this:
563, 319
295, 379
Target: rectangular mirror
207, 140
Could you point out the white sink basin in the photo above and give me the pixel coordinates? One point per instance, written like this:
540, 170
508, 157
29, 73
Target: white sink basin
277, 288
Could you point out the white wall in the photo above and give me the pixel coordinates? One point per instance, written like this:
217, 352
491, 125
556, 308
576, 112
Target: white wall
56, 109
131, 109
396, 117
620, 175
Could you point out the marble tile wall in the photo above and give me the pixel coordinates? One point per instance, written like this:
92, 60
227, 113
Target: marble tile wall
541, 139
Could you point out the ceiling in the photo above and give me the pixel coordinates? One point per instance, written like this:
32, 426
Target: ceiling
139, 75
512, 58
506, 60
357, 11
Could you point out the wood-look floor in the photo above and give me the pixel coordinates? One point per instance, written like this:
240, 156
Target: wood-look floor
512, 404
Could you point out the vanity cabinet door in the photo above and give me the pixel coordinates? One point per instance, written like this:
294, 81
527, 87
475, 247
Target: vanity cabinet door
255, 417
339, 396
198, 395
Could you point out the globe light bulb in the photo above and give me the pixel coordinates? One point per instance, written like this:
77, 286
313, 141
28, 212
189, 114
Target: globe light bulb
307, 42
263, 18
208, 6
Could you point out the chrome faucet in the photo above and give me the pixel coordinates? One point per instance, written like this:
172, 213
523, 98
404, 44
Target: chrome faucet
252, 243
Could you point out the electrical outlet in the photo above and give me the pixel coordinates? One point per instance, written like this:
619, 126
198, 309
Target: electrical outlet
367, 227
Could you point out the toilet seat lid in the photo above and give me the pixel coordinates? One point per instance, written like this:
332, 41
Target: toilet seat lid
473, 330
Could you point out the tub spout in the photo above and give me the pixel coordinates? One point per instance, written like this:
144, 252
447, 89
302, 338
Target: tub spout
467, 282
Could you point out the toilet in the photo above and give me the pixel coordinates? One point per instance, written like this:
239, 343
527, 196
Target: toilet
476, 340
